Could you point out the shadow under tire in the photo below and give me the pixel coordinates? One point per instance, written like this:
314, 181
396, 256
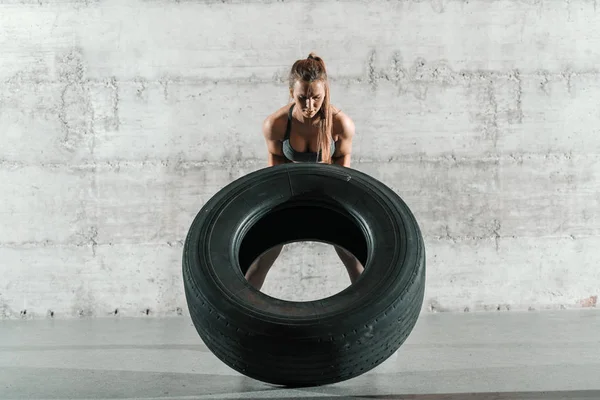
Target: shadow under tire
313, 342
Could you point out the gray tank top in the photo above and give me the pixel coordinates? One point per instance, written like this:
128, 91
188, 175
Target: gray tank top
299, 156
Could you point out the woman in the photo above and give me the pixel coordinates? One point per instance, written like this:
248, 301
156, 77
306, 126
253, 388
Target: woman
309, 129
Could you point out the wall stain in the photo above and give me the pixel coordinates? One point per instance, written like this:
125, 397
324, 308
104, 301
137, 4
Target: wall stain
141, 92
115, 122
518, 112
75, 110
437, 6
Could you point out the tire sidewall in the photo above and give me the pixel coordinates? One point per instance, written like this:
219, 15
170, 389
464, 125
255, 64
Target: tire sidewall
220, 283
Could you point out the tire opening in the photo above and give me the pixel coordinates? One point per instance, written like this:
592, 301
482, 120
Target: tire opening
303, 220
308, 271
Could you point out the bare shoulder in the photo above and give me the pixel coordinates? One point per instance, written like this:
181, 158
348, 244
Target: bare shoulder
343, 126
274, 125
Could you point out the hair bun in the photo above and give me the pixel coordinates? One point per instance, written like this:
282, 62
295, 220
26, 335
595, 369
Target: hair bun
313, 55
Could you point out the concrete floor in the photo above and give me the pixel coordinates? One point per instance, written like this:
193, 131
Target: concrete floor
550, 355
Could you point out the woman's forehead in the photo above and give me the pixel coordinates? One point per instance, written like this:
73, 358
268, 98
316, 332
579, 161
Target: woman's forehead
309, 89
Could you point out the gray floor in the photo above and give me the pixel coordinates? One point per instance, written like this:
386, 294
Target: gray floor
551, 355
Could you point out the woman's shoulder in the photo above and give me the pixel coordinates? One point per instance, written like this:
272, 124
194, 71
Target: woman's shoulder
335, 111
342, 123
275, 124
339, 116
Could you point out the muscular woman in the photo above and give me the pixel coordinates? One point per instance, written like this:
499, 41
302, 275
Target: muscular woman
308, 129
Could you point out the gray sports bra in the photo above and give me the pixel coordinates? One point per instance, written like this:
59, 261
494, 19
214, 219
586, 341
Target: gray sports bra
299, 156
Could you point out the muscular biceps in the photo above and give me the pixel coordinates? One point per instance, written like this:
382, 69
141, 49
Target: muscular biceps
274, 146
343, 148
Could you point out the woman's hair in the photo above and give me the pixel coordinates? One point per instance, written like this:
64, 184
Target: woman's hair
309, 70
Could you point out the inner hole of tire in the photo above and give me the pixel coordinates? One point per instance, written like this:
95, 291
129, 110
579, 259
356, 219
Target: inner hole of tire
304, 220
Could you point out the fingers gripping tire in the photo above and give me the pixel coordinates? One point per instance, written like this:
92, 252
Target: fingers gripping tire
314, 342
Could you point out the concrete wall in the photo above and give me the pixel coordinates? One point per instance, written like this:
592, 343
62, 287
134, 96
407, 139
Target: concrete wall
118, 120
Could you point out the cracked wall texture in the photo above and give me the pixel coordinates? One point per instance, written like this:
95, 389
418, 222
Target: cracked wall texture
118, 120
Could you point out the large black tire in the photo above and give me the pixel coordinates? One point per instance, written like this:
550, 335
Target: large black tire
314, 342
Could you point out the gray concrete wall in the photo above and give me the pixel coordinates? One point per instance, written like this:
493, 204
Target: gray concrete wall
118, 120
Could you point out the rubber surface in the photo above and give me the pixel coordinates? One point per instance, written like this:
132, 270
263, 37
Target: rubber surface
314, 342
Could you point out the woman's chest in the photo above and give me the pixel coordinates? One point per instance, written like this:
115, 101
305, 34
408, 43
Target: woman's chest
306, 138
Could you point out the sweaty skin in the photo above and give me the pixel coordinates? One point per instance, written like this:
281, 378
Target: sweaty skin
308, 99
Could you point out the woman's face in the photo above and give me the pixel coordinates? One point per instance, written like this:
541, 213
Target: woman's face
308, 97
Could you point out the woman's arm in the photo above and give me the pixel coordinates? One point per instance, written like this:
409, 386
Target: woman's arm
274, 147
343, 148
